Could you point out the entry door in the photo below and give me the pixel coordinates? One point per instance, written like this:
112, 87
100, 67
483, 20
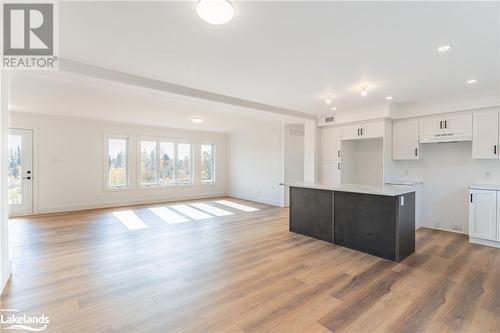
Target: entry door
20, 162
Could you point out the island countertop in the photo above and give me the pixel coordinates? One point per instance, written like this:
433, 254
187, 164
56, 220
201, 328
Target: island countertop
387, 190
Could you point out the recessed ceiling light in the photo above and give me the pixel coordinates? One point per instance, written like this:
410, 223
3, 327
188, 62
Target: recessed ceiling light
471, 81
334, 108
196, 120
444, 48
328, 99
215, 11
388, 98
364, 91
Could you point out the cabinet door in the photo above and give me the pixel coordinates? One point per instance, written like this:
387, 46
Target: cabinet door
351, 132
330, 143
405, 144
430, 127
485, 141
483, 214
330, 172
458, 125
374, 130
498, 216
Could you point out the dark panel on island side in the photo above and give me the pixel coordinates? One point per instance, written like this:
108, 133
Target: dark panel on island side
311, 212
366, 223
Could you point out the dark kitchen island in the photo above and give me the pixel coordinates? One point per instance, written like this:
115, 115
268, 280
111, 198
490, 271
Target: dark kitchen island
378, 220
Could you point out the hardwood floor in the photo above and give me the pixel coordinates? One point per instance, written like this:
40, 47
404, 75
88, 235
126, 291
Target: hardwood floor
243, 272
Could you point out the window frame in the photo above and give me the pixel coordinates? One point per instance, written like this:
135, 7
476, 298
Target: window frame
107, 187
214, 178
158, 141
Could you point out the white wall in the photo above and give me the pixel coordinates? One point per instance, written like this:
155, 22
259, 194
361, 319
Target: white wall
255, 163
69, 163
5, 263
362, 162
447, 171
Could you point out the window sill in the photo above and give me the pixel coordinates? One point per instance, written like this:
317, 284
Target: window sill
117, 189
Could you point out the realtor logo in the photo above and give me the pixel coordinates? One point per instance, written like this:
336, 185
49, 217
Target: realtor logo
28, 36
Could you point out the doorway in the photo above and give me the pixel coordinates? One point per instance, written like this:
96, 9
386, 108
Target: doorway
294, 157
20, 171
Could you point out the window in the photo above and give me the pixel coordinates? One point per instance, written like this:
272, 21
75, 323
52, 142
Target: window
165, 163
117, 163
148, 162
207, 163
184, 163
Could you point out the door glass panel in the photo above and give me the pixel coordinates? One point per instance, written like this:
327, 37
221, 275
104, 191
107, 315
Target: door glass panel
15, 170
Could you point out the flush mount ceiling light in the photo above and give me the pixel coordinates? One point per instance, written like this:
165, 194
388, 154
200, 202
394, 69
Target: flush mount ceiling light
364, 91
388, 98
328, 99
215, 11
196, 120
334, 108
444, 48
471, 81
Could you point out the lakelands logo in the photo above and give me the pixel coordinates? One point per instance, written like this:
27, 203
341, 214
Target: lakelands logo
11, 319
29, 36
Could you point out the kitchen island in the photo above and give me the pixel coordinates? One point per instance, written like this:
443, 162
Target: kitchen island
379, 220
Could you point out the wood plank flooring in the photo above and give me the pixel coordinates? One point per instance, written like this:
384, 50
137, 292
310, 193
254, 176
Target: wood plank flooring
243, 272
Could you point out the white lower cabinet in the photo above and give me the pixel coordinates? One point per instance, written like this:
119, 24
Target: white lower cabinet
484, 217
330, 172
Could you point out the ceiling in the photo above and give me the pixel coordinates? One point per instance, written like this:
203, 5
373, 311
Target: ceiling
292, 54
66, 94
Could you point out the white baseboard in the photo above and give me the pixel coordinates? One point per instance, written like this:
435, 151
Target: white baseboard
443, 229
99, 205
263, 200
486, 242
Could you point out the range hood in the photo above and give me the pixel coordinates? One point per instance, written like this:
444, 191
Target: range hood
446, 137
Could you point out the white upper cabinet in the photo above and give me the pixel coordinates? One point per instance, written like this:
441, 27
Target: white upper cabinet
485, 137
330, 143
364, 131
351, 132
483, 214
446, 128
405, 145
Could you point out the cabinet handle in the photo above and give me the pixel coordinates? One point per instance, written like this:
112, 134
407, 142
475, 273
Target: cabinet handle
338, 166
358, 131
440, 124
471, 197
446, 124
416, 151
495, 149
338, 153
361, 130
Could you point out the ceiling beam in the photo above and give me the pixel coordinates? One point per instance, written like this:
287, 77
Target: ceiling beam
72, 66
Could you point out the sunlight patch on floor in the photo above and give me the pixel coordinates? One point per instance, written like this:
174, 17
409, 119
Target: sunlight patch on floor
211, 209
191, 212
168, 215
237, 206
130, 220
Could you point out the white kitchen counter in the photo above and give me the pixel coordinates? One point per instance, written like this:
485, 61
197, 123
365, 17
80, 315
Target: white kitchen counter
485, 187
388, 190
